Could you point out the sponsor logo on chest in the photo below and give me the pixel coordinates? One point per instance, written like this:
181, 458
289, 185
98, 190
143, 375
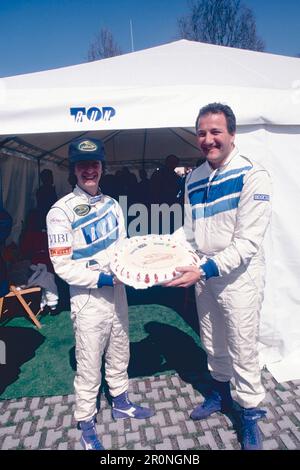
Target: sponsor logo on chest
82, 209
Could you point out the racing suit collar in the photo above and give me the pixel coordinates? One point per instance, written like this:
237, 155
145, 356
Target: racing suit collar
233, 153
86, 196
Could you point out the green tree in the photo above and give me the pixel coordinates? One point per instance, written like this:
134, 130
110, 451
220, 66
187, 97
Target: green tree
222, 22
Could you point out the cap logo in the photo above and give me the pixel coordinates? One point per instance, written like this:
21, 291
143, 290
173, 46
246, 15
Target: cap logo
87, 146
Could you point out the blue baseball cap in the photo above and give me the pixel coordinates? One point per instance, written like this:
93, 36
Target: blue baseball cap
84, 149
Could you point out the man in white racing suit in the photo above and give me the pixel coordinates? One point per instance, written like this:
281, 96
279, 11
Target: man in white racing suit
83, 228
227, 213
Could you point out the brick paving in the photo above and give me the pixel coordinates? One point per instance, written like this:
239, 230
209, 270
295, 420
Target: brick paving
48, 423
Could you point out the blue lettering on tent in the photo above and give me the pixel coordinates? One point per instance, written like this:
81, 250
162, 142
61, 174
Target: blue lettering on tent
92, 114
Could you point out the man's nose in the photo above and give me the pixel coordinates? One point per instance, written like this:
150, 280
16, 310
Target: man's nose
208, 139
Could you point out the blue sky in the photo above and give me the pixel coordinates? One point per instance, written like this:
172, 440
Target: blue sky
43, 34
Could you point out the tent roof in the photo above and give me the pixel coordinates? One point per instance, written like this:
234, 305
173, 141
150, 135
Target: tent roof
180, 62
161, 88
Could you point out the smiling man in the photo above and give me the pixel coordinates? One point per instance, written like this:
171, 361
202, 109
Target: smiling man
83, 228
228, 211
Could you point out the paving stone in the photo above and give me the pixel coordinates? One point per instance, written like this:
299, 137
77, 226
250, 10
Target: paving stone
42, 412
163, 405
153, 395
63, 446
286, 423
32, 442
25, 428
169, 429
10, 443
4, 418
53, 400
268, 429
227, 437
106, 441
289, 407
182, 403
71, 399
67, 421
185, 444
150, 434
51, 423
7, 430
270, 444
165, 445
59, 409
133, 436
288, 442
21, 415
52, 437
176, 416
34, 403
16, 405
170, 393
139, 446
208, 440
190, 426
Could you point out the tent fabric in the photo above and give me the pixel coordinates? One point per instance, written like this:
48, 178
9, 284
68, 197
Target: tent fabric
144, 105
145, 87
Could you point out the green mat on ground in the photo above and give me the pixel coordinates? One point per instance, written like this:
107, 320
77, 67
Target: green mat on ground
42, 362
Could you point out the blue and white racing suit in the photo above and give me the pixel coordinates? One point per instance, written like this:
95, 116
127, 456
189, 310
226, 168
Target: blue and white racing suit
82, 233
227, 214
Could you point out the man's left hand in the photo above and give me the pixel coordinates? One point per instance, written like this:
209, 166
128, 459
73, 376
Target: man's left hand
190, 275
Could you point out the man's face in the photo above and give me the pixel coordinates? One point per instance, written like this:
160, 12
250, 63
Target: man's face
214, 140
88, 175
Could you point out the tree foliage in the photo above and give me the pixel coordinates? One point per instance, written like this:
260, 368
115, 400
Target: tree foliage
221, 22
103, 46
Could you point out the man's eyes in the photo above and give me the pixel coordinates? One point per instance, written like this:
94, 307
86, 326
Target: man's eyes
214, 132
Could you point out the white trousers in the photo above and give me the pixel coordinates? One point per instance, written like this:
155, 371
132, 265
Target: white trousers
100, 321
228, 310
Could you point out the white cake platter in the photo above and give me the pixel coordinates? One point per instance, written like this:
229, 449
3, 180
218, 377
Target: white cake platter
150, 260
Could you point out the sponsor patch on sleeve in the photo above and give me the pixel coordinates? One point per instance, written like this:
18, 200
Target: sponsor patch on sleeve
261, 197
55, 239
61, 251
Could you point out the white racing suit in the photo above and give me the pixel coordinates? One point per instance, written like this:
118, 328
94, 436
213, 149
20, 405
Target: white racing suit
82, 234
227, 213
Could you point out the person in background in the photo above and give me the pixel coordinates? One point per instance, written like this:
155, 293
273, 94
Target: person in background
228, 210
46, 194
83, 228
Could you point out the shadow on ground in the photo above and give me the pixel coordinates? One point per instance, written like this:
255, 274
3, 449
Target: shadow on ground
18, 345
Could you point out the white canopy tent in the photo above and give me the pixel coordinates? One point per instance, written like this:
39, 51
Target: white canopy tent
143, 105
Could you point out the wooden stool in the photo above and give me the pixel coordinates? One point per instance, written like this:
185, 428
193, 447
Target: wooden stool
18, 293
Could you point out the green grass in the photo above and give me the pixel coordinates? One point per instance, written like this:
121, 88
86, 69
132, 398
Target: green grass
42, 363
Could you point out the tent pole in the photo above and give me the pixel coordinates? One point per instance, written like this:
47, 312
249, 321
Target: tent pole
39, 171
144, 149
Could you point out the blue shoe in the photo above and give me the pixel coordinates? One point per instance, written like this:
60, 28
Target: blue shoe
218, 399
211, 405
251, 436
123, 408
89, 439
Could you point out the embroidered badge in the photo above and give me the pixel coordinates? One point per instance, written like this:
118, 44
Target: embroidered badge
82, 209
261, 197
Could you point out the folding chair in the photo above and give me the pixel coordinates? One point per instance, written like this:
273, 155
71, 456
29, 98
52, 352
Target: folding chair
19, 293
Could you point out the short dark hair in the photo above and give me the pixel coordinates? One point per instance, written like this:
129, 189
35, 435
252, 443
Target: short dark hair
219, 108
